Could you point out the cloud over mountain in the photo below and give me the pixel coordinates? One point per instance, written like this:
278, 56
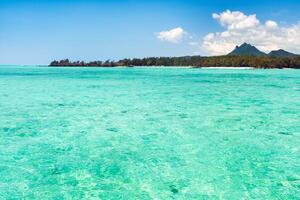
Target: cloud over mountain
240, 28
236, 20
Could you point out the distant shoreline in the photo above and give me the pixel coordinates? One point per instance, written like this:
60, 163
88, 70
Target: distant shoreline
147, 67
157, 67
165, 67
232, 61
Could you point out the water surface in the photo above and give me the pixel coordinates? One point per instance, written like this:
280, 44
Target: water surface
142, 133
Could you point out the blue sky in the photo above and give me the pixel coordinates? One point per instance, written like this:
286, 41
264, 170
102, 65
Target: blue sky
36, 32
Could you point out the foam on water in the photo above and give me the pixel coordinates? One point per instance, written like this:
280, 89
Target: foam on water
135, 133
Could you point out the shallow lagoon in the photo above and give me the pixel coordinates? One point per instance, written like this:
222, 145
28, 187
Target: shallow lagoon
149, 133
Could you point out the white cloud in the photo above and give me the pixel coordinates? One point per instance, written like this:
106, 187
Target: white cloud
271, 24
240, 28
173, 35
236, 20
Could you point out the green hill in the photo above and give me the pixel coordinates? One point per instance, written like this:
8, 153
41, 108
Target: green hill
281, 53
246, 50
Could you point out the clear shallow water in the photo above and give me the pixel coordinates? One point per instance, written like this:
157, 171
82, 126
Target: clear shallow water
134, 133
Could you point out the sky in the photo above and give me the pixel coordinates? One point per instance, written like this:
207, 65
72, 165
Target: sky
39, 31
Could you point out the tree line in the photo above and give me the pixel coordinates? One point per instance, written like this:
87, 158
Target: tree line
193, 61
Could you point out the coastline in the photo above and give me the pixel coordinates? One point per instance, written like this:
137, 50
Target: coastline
228, 68
167, 67
227, 61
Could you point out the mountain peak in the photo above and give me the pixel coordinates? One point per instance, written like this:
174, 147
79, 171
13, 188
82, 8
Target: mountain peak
246, 49
245, 44
281, 53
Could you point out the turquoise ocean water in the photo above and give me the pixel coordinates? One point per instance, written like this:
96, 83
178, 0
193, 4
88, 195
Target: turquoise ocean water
149, 133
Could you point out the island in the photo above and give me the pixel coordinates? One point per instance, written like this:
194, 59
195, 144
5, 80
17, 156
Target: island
244, 55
